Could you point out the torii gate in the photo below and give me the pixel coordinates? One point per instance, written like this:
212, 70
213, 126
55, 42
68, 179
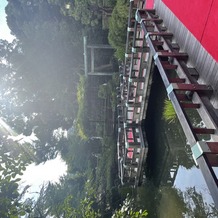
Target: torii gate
93, 47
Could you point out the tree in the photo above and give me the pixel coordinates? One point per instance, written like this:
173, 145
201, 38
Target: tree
118, 22
170, 197
128, 211
53, 204
87, 12
11, 168
38, 208
190, 203
196, 205
42, 73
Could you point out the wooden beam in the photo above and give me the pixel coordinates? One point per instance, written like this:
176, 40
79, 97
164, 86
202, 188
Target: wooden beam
161, 34
176, 80
163, 28
172, 45
181, 97
154, 15
203, 131
186, 71
190, 105
150, 27
136, 79
150, 11
157, 42
193, 72
213, 146
134, 144
179, 56
212, 159
168, 66
130, 125
133, 104
155, 20
136, 49
203, 89
142, 13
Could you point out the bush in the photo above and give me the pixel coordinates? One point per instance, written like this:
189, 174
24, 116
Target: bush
81, 110
169, 113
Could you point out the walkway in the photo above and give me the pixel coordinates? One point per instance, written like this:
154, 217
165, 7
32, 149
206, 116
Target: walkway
185, 93
182, 25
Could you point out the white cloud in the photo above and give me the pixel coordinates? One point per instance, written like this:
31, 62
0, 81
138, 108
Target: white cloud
22, 139
5, 31
60, 133
37, 175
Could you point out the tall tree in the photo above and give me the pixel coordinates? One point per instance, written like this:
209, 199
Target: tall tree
118, 22
42, 71
88, 12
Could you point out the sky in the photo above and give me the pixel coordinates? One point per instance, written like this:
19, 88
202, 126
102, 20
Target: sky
4, 30
34, 175
192, 178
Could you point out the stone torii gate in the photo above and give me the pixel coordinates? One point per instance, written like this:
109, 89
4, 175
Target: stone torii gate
93, 48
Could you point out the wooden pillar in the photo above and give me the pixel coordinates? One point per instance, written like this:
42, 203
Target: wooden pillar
179, 56
202, 89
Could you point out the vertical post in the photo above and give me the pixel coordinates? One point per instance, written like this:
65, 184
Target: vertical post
85, 55
92, 60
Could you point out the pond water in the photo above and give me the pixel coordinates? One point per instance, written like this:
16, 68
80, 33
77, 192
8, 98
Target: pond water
175, 187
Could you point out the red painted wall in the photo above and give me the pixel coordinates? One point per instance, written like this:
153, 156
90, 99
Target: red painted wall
210, 35
149, 4
201, 18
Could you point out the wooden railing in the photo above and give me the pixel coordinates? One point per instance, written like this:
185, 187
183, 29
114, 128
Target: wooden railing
185, 94
134, 80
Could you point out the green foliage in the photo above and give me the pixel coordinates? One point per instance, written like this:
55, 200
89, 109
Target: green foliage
115, 83
120, 53
117, 25
106, 175
128, 211
169, 113
86, 210
170, 197
189, 203
60, 195
81, 110
103, 91
57, 200
88, 12
197, 206
81, 90
108, 90
11, 168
